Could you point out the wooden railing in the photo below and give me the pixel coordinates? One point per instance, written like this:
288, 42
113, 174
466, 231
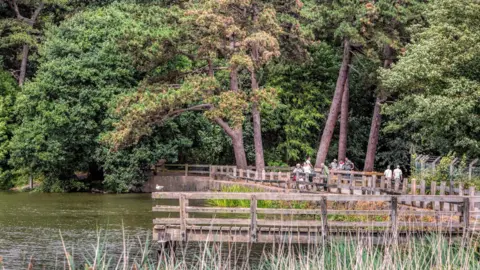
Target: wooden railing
269, 224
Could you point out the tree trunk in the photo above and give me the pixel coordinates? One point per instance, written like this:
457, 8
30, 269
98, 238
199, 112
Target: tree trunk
239, 149
23, 67
373, 138
257, 128
342, 142
334, 107
376, 120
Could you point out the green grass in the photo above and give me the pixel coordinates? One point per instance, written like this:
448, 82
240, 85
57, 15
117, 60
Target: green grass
260, 204
431, 251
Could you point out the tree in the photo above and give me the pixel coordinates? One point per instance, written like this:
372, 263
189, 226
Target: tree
391, 36
437, 84
22, 28
8, 91
82, 69
350, 23
229, 37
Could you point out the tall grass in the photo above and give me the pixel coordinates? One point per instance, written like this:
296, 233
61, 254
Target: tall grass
260, 204
353, 251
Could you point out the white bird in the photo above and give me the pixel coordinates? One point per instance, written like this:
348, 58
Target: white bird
158, 187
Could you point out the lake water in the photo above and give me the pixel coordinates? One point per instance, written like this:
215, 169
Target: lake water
30, 225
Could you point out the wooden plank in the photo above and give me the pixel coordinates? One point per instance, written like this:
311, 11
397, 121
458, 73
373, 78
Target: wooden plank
429, 213
318, 223
166, 221
411, 224
431, 198
442, 193
218, 210
268, 196
165, 208
218, 221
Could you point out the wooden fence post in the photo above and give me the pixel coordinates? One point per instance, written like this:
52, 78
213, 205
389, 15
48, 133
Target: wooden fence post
433, 191
351, 183
256, 175
382, 182
263, 175
323, 207
442, 192
471, 192
422, 192
253, 219
183, 217
186, 169
414, 190
289, 181
394, 215
466, 214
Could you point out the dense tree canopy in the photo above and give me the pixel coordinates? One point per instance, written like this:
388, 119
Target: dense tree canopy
106, 89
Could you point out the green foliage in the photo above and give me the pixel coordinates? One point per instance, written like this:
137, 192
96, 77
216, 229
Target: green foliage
435, 81
8, 93
83, 69
304, 91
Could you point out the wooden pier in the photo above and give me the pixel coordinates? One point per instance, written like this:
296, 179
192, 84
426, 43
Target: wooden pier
388, 214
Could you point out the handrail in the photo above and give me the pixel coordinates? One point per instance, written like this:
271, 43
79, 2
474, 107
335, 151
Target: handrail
291, 224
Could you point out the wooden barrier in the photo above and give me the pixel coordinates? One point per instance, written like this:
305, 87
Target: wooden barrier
346, 182
270, 225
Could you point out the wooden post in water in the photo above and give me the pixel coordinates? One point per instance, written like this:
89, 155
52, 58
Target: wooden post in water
394, 216
183, 217
323, 207
253, 219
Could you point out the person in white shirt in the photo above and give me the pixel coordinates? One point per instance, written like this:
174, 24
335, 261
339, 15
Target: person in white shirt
397, 173
388, 173
334, 165
307, 168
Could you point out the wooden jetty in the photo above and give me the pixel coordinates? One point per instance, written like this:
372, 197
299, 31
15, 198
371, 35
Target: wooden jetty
276, 225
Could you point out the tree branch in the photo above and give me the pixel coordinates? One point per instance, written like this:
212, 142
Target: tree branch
37, 12
225, 126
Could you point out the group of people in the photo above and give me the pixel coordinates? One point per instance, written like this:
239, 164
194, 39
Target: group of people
393, 175
346, 165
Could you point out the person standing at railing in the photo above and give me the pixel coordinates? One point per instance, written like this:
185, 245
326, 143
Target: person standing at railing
388, 174
349, 166
397, 174
297, 171
334, 164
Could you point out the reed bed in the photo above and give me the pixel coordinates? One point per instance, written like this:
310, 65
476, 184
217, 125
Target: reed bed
352, 251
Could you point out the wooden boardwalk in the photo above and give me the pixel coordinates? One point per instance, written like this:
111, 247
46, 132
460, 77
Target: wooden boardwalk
327, 214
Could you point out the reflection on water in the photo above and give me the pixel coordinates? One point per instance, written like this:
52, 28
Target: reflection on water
30, 224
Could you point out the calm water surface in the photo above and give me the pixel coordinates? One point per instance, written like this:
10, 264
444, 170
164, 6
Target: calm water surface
30, 224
